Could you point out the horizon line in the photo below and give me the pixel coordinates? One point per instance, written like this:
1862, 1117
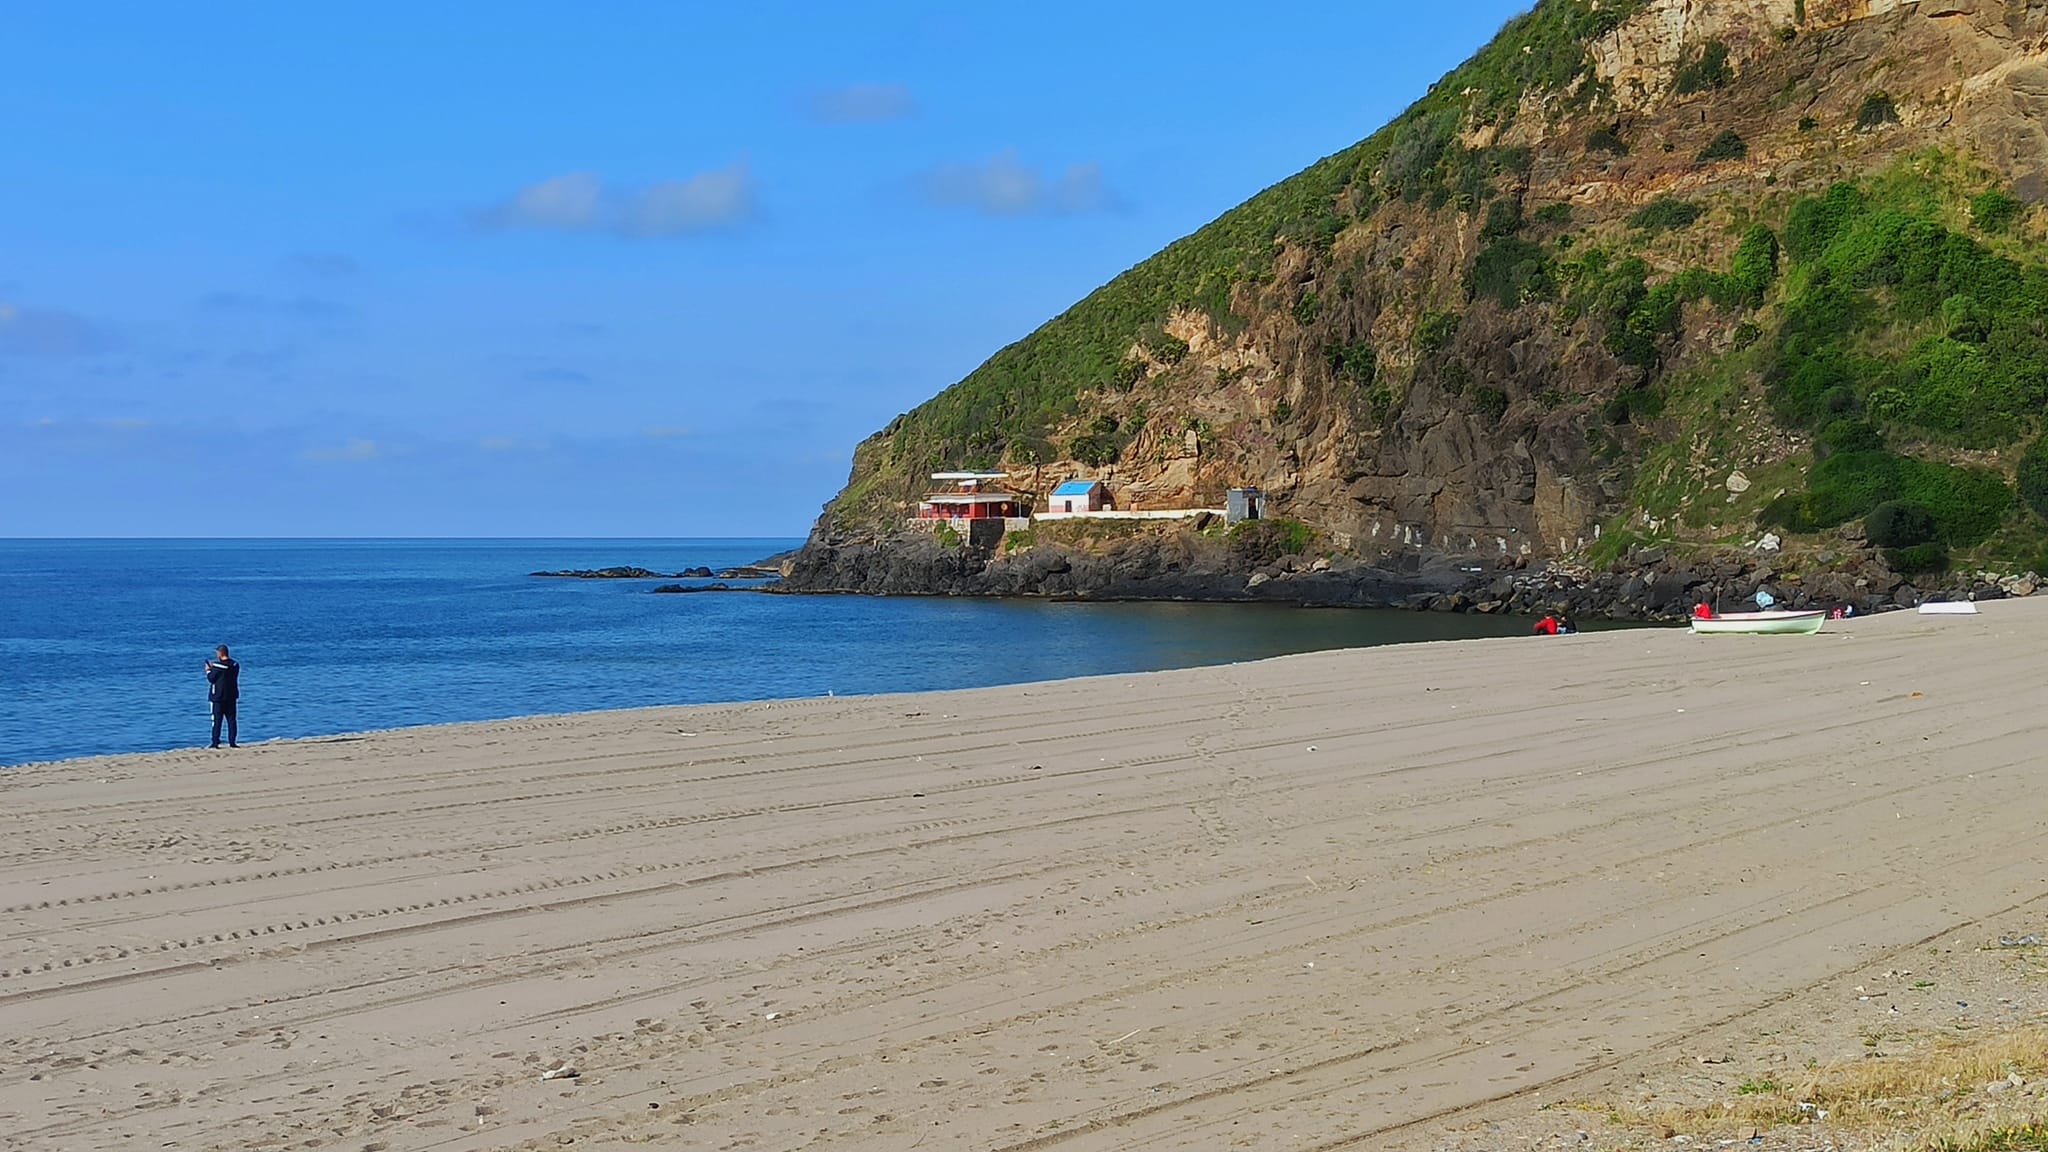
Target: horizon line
361, 539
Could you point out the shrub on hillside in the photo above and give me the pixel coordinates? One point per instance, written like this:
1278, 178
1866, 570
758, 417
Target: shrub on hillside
1101, 443
1512, 271
1166, 347
1503, 218
1308, 309
1607, 140
1491, 402
1706, 71
1878, 109
1752, 272
1929, 558
1665, 214
1993, 211
2033, 477
1977, 379
1848, 436
1899, 524
1433, 333
1729, 145
1966, 503
1816, 221
1633, 406
1257, 543
1357, 362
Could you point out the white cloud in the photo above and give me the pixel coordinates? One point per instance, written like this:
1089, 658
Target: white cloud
1004, 186
580, 202
351, 451
863, 104
569, 203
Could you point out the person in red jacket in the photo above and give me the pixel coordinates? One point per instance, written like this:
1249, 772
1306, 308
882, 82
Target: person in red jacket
1703, 611
1548, 626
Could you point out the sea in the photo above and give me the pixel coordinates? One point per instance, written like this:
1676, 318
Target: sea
103, 642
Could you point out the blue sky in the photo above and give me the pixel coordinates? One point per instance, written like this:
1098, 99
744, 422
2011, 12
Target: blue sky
617, 269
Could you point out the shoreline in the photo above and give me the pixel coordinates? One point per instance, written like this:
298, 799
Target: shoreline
1645, 583
1337, 890
1374, 635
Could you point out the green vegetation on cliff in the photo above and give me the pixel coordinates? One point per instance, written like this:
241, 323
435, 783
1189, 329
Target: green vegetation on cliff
1010, 407
1708, 348
1900, 328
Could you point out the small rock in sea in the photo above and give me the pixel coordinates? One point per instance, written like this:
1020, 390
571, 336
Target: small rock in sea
621, 573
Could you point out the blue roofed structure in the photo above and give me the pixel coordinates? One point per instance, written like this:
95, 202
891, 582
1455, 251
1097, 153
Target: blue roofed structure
1079, 496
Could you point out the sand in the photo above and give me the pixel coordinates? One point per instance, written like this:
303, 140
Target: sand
1343, 900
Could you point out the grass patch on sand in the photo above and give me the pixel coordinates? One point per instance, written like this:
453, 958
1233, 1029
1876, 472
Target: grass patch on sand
1948, 1094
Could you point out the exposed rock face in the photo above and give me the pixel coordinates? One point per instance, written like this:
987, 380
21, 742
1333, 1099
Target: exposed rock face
1369, 379
1170, 565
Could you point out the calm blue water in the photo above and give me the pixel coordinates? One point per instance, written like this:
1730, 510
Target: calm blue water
102, 642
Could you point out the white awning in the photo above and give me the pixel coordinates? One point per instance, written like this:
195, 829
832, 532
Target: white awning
973, 498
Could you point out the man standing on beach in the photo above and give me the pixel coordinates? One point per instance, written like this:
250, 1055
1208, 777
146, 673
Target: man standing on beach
223, 687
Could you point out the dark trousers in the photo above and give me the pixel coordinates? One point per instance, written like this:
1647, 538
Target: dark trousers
223, 710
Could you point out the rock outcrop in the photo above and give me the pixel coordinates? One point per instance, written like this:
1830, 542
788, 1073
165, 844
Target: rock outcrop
1157, 565
622, 572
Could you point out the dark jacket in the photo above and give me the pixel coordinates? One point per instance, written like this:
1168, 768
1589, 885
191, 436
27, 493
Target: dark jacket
223, 681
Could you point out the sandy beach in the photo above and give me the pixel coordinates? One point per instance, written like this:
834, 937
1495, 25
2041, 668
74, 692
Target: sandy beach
1345, 900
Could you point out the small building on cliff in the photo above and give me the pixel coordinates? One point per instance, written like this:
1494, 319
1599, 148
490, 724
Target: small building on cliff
1241, 504
1079, 496
973, 496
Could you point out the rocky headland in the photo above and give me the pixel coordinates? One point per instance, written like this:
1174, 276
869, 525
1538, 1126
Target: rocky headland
1648, 299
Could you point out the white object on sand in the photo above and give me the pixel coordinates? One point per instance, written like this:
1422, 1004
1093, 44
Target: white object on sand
1760, 624
1949, 608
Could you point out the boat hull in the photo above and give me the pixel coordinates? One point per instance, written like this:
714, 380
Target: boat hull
1761, 624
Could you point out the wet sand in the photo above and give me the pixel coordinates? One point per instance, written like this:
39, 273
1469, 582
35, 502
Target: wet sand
1351, 899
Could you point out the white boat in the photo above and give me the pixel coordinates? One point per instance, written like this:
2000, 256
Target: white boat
1761, 623
1949, 608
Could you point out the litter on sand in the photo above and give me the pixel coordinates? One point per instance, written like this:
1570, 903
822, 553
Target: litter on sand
1949, 608
565, 1072
2028, 941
